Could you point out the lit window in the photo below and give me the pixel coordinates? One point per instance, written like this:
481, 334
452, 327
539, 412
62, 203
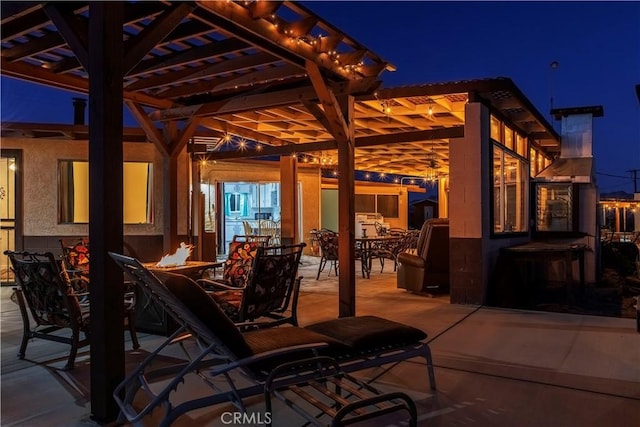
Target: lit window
73, 192
554, 207
521, 145
533, 154
496, 135
508, 138
510, 193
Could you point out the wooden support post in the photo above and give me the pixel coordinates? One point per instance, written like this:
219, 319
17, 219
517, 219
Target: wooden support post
197, 217
105, 204
339, 113
289, 232
347, 213
170, 204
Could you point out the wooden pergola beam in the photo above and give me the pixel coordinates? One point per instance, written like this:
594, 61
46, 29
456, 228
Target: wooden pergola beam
281, 150
136, 48
49, 41
360, 142
69, 82
74, 30
198, 53
208, 70
32, 16
238, 104
334, 118
154, 135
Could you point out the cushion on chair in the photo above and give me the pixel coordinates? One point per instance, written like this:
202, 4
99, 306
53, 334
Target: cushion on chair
229, 301
269, 339
367, 332
265, 340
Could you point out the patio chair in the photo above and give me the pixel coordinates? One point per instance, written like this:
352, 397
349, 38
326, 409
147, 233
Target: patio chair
269, 227
248, 229
427, 271
45, 291
271, 291
355, 342
242, 251
75, 254
328, 242
392, 248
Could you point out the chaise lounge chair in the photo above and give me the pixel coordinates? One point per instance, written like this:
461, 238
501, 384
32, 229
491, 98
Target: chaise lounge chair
355, 342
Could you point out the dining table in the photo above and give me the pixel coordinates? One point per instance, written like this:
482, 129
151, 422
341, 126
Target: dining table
369, 246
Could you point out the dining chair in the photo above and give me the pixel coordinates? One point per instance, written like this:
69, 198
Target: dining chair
328, 242
271, 228
248, 230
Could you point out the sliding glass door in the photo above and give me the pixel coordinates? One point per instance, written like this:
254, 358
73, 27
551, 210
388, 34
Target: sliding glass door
249, 207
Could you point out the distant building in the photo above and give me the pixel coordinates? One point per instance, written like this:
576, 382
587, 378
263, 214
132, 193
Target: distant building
422, 210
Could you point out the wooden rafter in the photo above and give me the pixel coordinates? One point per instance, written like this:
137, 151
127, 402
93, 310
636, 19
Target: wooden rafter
74, 30
136, 48
331, 109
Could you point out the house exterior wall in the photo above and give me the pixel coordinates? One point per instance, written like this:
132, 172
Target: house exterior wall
473, 253
40, 159
373, 188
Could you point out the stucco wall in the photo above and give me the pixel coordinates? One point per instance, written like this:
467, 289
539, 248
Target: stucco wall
40, 176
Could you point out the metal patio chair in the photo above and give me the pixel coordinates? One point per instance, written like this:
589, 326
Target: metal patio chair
223, 350
44, 291
271, 291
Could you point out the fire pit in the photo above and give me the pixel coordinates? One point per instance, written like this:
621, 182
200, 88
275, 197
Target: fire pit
177, 263
177, 259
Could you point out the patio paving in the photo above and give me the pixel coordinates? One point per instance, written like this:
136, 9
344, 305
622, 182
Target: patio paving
494, 367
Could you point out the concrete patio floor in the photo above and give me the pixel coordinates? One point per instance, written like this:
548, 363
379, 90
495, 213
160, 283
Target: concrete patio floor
494, 367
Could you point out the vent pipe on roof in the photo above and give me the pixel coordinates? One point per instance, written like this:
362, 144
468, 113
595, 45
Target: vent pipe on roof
79, 105
577, 130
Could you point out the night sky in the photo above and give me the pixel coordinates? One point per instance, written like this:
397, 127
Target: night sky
596, 44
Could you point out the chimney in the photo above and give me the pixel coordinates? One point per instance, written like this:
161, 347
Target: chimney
577, 130
79, 104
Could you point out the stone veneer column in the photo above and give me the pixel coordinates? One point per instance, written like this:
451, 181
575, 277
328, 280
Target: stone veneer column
469, 201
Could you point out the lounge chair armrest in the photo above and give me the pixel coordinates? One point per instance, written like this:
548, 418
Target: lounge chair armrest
411, 260
224, 285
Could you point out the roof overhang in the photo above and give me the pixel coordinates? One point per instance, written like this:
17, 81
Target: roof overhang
578, 170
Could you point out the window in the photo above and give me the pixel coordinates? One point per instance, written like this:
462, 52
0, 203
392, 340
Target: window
365, 203
384, 204
554, 207
508, 138
533, 155
510, 189
73, 192
388, 205
496, 126
521, 145
234, 203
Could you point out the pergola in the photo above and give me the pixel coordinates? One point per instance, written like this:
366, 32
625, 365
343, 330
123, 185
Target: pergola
269, 71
